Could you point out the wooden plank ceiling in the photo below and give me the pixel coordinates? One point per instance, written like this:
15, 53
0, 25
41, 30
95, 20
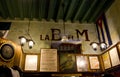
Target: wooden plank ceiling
74, 10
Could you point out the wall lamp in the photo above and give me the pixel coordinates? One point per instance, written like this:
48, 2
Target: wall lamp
95, 45
24, 40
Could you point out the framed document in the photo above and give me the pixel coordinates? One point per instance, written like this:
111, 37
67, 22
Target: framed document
114, 56
106, 60
31, 62
94, 62
82, 63
48, 60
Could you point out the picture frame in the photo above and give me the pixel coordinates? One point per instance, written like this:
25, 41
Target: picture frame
67, 62
106, 60
118, 46
31, 62
48, 60
82, 63
7, 51
94, 62
114, 56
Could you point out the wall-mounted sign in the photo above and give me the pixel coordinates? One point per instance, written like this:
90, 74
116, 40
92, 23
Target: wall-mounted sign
67, 63
82, 63
56, 35
114, 56
94, 62
106, 60
48, 60
31, 62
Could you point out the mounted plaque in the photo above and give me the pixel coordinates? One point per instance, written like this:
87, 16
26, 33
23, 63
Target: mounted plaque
67, 63
31, 62
106, 60
94, 62
48, 60
67, 47
82, 63
114, 56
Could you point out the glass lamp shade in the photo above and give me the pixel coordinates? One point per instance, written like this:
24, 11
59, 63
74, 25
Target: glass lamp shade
94, 45
22, 40
31, 43
103, 46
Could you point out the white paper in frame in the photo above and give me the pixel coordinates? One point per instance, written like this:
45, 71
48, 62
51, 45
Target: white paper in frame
48, 60
106, 60
94, 62
82, 63
114, 56
31, 62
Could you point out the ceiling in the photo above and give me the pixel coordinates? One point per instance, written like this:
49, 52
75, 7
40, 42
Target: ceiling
74, 10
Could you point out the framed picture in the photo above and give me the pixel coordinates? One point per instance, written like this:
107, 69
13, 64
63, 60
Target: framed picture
31, 62
114, 56
67, 62
82, 63
118, 45
94, 62
106, 60
48, 60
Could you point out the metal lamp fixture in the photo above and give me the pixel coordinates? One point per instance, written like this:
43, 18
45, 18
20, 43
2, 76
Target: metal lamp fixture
95, 45
24, 40
64, 38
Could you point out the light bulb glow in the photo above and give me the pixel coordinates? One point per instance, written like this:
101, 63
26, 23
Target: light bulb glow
103, 46
22, 40
30, 43
64, 38
94, 46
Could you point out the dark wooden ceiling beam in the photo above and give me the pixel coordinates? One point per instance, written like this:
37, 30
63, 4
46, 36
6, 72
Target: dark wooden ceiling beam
44, 9
2, 10
79, 10
70, 10
89, 11
20, 9
25, 8
105, 7
51, 9
97, 10
34, 9
60, 11
15, 9
10, 10
40, 9
108, 4
74, 10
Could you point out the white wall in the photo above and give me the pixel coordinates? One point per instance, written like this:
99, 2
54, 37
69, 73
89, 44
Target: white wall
37, 28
